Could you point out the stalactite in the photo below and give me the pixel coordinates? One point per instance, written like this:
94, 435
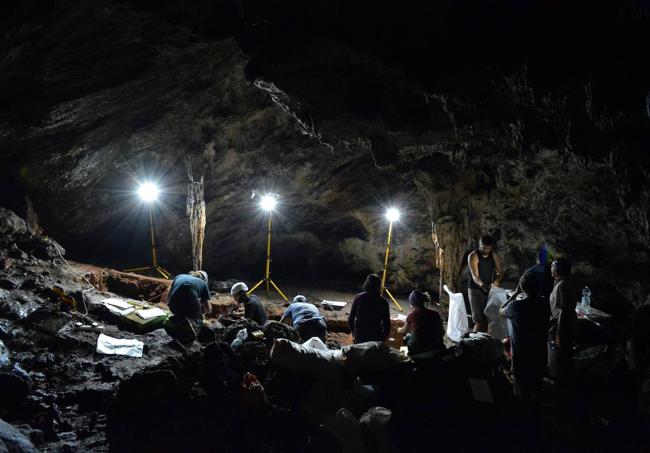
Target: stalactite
195, 209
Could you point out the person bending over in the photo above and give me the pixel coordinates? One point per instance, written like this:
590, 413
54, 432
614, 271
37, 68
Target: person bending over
187, 299
485, 271
369, 318
305, 318
423, 327
253, 308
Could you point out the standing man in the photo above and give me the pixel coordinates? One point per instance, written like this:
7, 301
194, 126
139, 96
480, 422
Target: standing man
305, 318
563, 326
485, 271
253, 309
187, 300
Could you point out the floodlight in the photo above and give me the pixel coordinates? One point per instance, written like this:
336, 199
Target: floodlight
392, 215
148, 192
268, 202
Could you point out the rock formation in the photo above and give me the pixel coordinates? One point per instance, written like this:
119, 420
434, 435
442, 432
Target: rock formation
527, 122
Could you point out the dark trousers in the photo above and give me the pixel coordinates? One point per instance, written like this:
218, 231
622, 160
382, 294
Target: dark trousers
312, 328
528, 370
560, 365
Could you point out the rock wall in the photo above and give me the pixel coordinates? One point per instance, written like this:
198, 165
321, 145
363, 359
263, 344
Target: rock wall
530, 123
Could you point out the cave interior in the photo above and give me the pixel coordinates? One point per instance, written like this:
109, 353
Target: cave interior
525, 121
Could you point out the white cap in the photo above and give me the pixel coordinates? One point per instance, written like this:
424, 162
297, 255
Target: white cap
300, 298
238, 287
203, 275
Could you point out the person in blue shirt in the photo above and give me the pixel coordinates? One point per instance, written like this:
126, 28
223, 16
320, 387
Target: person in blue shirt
542, 270
305, 318
187, 300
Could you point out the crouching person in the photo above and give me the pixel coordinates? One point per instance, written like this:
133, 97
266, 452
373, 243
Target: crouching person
423, 328
253, 308
305, 318
187, 300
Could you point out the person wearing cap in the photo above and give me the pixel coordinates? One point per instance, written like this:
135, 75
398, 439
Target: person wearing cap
423, 327
187, 299
369, 318
305, 318
253, 308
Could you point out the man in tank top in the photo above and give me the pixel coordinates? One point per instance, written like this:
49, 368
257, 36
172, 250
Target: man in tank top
485, 271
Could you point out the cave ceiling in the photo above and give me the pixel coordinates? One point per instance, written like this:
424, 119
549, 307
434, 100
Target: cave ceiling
529, 122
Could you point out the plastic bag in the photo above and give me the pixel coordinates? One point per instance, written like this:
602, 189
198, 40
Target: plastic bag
497, 325
251, 392
457, 324
239, 339
323, 364
376, 423
347, 430
371, 356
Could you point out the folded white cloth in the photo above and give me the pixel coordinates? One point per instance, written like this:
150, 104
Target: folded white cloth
116, 346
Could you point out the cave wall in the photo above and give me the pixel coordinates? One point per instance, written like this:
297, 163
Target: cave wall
526, 122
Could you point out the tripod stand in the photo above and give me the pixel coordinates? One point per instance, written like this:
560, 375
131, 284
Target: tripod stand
154, 259
267, 274
383, 276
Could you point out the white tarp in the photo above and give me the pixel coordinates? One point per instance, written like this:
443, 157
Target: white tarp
497, 325
116, 346
457, 324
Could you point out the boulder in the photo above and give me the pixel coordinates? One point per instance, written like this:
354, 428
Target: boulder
15, 385
10, 223
274, 330
12, 440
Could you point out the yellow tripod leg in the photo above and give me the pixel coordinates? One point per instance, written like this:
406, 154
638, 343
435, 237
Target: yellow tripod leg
136, 269
399, 307
163, 272
278, 290
250, 291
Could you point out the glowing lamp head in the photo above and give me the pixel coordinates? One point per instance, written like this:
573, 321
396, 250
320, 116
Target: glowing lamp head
148, 192
268, 202
392, 215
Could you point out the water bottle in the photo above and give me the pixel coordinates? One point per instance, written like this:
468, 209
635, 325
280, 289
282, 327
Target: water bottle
239, 339
586, 299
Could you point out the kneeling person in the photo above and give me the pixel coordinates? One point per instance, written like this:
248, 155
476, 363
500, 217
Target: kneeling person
253, 308
187, 300
305, 318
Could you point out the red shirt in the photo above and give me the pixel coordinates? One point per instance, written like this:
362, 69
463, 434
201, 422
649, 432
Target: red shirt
425, 325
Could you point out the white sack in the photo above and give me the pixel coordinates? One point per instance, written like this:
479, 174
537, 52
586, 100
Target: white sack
457, 324
497, 325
